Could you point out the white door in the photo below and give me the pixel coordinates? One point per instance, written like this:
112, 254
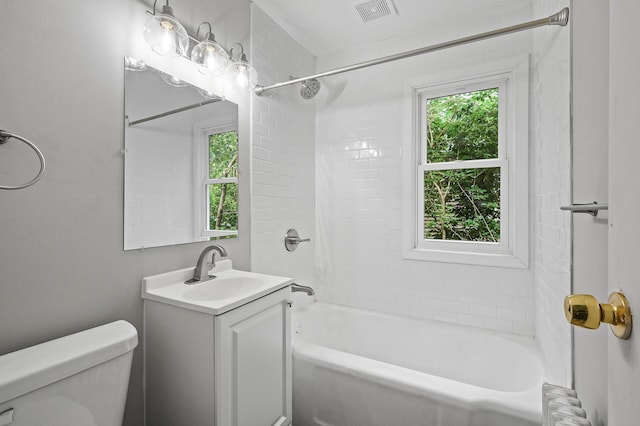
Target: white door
606, 56
590, 135
624, 200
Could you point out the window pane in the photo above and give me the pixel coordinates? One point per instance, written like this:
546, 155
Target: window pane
223, 155
462, 204
223, 206
463, 126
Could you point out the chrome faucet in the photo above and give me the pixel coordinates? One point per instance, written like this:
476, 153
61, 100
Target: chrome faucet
302, 288
201, 272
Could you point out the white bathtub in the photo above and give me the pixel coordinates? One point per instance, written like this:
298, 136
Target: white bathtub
358, 368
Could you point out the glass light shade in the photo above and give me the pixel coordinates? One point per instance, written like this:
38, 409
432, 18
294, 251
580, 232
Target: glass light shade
242, 75
210, 57
208, 95
173, 81
165, 35
133, 64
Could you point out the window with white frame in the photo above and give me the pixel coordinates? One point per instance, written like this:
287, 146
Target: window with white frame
471, 170
218, 154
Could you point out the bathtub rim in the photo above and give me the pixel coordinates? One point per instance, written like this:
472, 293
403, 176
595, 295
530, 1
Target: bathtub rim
525, 404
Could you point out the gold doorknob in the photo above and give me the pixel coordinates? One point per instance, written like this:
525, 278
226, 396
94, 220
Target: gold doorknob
584, 310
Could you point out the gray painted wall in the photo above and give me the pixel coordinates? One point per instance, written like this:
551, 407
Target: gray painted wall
62, 263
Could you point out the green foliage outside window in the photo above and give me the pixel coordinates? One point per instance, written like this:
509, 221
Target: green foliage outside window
223, 197
462, 204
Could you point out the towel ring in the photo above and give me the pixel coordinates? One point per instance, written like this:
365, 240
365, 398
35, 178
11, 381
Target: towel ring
4, 137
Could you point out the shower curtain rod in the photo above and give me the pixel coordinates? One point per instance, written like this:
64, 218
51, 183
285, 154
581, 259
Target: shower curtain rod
173, 111
561, 18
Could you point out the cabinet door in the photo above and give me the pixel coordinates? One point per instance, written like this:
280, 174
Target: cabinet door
253, 363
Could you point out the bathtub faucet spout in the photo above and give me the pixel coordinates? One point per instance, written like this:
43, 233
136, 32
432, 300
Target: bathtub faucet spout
302, 288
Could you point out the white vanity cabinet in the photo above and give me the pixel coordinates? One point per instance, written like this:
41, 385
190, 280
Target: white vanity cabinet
253, 363
232, 369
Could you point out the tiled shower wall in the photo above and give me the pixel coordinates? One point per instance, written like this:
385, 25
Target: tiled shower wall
551, 170
283, 163
358, 181
361, 120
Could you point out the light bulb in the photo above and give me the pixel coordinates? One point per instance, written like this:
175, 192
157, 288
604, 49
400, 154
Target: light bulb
214, 61
166, 42
210, 57
241, 77
165, 35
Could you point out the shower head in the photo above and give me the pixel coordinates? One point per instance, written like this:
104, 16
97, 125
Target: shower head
310, 88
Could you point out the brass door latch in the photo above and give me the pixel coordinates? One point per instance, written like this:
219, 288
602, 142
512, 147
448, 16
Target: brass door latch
584, 310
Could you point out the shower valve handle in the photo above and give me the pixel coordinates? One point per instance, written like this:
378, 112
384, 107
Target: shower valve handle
584, 310
298, 240
292, 239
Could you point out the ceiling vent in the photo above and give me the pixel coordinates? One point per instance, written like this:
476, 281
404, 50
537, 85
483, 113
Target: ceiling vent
375, 9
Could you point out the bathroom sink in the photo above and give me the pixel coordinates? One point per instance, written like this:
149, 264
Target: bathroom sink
222, 288
230, 289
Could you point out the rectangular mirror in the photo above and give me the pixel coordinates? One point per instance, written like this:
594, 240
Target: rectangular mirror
181, 162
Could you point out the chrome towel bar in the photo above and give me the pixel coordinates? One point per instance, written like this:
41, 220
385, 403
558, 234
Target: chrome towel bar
4, 137
590, 208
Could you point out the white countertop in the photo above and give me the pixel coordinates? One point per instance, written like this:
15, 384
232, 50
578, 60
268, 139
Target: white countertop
170, 288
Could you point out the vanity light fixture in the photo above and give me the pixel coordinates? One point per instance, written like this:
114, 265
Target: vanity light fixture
167, 37
208, 55
240, 73
164, 33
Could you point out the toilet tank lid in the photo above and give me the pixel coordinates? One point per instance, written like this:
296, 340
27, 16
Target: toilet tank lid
31, 368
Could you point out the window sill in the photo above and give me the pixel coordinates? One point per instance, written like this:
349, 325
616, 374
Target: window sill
218, 234
509, 260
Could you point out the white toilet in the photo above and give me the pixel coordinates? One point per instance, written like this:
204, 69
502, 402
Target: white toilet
77, 380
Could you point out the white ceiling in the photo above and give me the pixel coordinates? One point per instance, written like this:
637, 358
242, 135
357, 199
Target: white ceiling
329, 26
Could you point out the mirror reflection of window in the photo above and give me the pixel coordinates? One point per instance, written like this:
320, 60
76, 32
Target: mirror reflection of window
222, 182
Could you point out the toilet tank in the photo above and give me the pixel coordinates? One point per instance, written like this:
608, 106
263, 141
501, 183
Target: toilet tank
76, 380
